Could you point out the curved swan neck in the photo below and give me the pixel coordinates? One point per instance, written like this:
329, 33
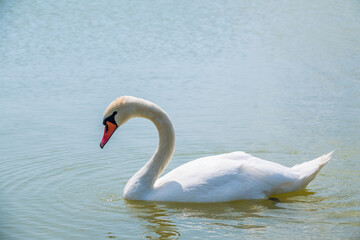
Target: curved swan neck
145, 178
156, 165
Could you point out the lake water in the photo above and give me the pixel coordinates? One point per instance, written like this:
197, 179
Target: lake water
276, 79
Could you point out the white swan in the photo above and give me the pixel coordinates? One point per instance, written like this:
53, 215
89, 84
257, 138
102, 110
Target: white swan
219, 178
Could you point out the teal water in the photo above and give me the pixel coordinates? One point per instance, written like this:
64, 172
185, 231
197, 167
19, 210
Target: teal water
278, 80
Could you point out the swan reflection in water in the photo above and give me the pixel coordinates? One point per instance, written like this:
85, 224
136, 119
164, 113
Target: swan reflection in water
169, 220
223, 178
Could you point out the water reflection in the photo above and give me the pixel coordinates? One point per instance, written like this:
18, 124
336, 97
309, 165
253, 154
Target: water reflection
161, 218
293, 197
166, 220
157, 219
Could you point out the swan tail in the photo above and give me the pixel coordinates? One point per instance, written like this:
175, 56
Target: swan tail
309, 170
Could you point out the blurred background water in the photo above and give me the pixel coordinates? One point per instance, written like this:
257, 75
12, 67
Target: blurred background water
277, 79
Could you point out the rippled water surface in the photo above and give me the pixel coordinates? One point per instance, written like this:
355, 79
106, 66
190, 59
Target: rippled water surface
278, 80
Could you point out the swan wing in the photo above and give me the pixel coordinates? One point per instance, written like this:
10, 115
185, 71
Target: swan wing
224, 177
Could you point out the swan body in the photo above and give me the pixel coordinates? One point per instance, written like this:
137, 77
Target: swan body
217, 178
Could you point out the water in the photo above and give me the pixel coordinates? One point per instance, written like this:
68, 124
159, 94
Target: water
276, 79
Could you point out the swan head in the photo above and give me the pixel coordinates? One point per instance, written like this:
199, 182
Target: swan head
116, 114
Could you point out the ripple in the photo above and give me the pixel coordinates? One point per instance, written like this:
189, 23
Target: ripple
232, 75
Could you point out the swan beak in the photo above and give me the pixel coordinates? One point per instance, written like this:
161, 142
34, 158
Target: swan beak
108, 132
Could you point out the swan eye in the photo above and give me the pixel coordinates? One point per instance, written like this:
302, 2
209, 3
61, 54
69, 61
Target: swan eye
110, 119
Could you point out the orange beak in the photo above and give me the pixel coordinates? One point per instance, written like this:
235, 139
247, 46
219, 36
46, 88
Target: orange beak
108, 132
